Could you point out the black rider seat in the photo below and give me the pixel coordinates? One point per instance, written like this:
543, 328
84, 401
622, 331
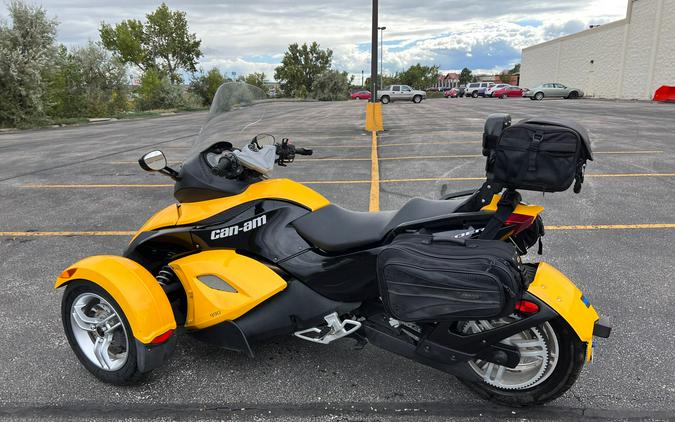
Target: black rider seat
335, 229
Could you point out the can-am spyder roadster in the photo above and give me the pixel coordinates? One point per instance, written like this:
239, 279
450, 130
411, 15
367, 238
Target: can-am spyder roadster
242, 258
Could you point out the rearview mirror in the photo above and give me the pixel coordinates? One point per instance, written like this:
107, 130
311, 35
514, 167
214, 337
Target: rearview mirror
153, 161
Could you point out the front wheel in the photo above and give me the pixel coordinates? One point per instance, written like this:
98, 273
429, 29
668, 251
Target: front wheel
474, 94
503, 96
99, 333
552, 357
417, 99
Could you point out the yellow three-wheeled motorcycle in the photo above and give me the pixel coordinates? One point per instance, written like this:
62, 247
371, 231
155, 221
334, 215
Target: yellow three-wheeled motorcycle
242, 258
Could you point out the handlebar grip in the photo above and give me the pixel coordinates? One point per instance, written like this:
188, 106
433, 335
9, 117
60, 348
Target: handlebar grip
228, 166
303, 151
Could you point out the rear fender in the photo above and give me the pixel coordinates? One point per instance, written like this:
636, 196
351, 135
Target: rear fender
557, 291
137, 292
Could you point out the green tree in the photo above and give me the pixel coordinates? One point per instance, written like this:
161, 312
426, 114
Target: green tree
206, 85
27, 52
163, 42
156, 92
331, 85
87, 82
516, 69
256, 79
419, 76
300, 66
465, 76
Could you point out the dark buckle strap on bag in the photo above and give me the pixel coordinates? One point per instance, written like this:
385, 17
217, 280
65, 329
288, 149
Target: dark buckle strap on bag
579, 177
534, 148
509, 201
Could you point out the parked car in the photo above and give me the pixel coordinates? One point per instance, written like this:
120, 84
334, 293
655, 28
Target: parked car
477, 89
455, 92
361, 95
508, 91
553, 90
492, 89
400, 92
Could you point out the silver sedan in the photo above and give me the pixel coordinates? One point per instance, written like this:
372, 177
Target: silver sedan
553, 90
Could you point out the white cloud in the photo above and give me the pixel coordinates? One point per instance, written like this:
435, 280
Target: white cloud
251, 36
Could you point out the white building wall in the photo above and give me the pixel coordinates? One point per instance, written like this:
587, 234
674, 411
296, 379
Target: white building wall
630, 58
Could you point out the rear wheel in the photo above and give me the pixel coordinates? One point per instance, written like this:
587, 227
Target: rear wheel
385, 99
552, 357
417, 99
99, 333
539, 96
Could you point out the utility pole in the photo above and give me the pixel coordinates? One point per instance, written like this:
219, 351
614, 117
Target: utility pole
381, 28
373, 58
362, 80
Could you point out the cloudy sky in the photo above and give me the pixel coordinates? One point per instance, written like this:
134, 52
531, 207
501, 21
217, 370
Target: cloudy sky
251, 35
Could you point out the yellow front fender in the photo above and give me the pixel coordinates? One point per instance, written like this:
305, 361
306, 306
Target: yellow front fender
142, 300
558, 292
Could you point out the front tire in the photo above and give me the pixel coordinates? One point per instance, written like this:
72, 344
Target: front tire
573, 95
554, 380
474, 94
99, 333
503, 96
417, 99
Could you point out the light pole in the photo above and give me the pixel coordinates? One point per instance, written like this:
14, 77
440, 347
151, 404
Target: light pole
381, 28
373, 53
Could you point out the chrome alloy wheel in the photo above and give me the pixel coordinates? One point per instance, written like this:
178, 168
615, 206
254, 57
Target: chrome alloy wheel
99, 331
539, 352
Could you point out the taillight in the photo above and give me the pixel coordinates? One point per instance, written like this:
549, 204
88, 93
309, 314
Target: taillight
521, 222
162, 337
527, 307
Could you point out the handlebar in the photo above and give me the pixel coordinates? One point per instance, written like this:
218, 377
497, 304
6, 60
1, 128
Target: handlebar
228, 166
303, 151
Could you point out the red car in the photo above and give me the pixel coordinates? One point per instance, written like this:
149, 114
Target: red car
361, 95
509, 91
454, 92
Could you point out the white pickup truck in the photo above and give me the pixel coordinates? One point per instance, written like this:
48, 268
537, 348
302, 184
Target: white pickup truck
400, 92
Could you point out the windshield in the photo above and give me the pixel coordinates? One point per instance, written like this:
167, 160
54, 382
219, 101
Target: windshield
237, 114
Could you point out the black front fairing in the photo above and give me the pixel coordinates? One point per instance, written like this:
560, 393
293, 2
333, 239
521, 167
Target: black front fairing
197, 183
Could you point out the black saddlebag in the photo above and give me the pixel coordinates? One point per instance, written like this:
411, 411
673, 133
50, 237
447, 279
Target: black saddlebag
544, 155
423, 279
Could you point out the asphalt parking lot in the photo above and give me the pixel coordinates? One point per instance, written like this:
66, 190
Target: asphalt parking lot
73, 192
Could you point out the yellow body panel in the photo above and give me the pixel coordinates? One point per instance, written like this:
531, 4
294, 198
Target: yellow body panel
284, 189
522, 209
558, 292
254, 283
142, 300
165, 218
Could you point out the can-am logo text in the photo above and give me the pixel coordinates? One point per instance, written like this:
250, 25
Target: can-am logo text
234, 230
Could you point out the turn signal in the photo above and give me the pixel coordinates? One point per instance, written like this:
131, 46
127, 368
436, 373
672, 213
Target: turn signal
527, 307
162, 337
68, 273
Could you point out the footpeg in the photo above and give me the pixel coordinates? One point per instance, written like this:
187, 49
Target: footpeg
335, 329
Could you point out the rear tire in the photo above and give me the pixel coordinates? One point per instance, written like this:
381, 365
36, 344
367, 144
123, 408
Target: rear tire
92, 300
417, 99
539, 96
385, 99
570, 361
